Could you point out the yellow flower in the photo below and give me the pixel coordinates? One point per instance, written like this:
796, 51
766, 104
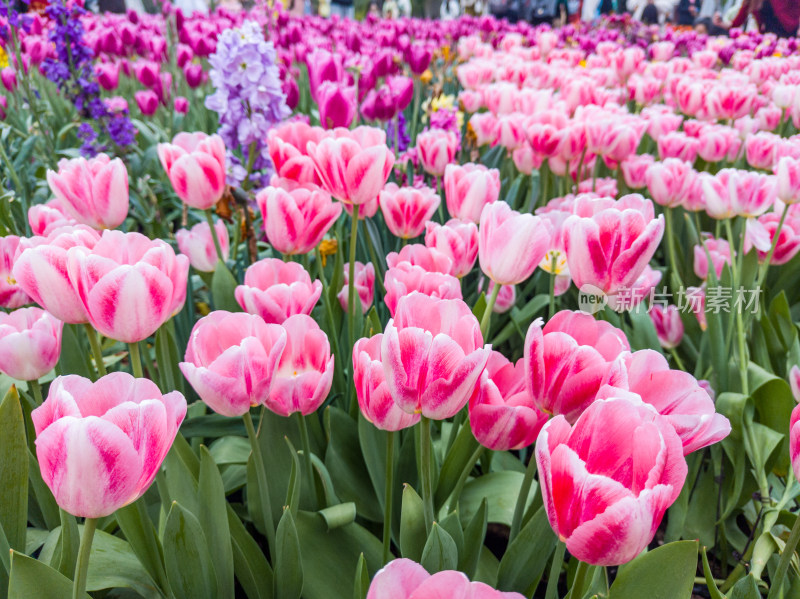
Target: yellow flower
583, 63
327, 247
426, 77
446, 53
443, 101
552, 259
3, 58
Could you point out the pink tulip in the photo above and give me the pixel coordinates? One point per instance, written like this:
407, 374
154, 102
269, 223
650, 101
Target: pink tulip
305, 371
93, 192
337, 104
353, 165
101, 444
720, 252
458, 240
733, 192
570, 359
433, 355
787, 172
510, 133
195, 165
794, 440
128, 284
231, 360
12, 294
287, 145
365, 286
374, 399
416, 254
678, 397
296, 217
107, 75
147, 72
181, 104
45, 218
788, 244
717, 143
506, 297
198, 244
502, 414
484, 125
634, 170
404, 278
468, 188
323, 66
668, 324
407, 209
30, 343
760, 150
8, 76
670, 181
276, 290
608, 479
678, 145
510, 244
405, 579
147, 101
436, 149
611, 248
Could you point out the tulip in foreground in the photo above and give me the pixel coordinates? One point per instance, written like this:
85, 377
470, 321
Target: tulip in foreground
502, 413
373, 394
30, 343
231, 360
296, 217
101, 444
276, 290
198, 245
570, 359
407, 209
458, 240
608, 479
12, 295
406, 579
195, 165
128, 285
93, 191
433, 355
305, 371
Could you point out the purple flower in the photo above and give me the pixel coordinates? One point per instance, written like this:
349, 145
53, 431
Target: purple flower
248, 98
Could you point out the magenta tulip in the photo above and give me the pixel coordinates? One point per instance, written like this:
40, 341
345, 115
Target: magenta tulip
197, 244
458, 240
373, 394
231, 360
296, 217
510, 244
128, 284
365, 286
570, 359
195, 165
337, 105
433, 355
147, 101
407, 209
101, 444
305, 371
502, 413
30, 343
92, 191
608, 479
276, 290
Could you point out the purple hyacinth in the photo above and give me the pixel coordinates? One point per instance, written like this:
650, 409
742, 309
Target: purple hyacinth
402, 138
72, 72
248, 98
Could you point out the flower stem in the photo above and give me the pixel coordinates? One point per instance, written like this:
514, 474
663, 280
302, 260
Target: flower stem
387, 504
670, 233
762, 273
214, 235
82, 566
486, 320
579, 582
37, 391
307, 453
462, 479
97, 351
427, 474
555, 571
351, 285
136, 360
553, 263
263, 486
374, 257
522, 498
786, 558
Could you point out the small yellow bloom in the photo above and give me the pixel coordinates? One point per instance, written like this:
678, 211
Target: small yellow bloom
583, 63
554, 262
3, 58
426, 77
202, 308
327, 247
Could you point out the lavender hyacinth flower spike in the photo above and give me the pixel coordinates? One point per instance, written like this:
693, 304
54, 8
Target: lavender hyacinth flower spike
248, 98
